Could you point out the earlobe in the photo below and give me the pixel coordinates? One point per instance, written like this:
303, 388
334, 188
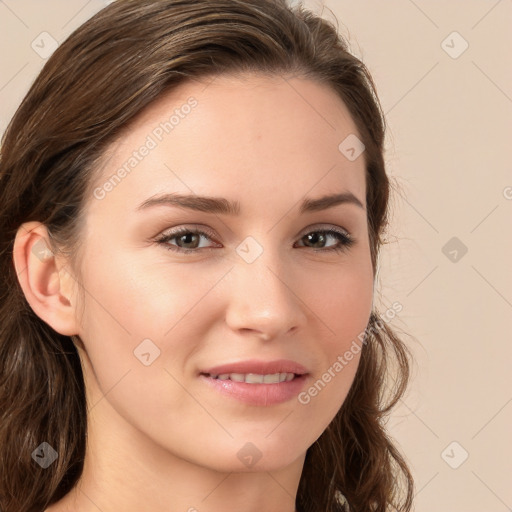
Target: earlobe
41, 277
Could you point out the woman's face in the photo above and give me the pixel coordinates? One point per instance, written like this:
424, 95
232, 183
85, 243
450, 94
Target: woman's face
252, 288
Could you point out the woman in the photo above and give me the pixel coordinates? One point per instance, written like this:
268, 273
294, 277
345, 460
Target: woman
192, 204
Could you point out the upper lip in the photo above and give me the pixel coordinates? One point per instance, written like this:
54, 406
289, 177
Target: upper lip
259, 367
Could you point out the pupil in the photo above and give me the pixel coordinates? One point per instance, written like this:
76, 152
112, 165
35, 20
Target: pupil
187, 235
315, 235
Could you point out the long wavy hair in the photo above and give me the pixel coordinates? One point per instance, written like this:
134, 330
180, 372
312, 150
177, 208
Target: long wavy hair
97, 81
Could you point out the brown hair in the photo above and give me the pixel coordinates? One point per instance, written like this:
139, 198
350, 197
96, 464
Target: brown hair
95, 83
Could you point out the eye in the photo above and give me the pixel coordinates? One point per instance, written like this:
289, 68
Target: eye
188, 240
321, 236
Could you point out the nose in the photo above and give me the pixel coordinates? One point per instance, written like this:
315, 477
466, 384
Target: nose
264, 300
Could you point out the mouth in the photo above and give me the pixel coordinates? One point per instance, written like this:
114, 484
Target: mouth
255, 378
253, 382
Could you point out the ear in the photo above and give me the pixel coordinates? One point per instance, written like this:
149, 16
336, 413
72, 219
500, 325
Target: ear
46, 283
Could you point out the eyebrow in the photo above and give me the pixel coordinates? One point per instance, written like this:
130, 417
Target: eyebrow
221, 206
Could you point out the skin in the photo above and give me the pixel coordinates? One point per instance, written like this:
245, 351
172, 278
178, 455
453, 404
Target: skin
159, 439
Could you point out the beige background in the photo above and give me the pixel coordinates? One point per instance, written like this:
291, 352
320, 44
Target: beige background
450, 127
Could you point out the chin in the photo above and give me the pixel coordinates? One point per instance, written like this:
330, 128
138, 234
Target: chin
260, 453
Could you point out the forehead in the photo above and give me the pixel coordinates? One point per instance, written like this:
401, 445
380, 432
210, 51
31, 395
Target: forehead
248, 136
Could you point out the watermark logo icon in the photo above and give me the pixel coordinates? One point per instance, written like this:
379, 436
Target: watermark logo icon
44, 45
454, 250
249, 250
44, 455
146, 352
41, 250
249, 454
351, 147
454, 45
454, 455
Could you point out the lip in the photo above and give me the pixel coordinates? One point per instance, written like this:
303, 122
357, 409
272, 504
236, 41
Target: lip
258, 394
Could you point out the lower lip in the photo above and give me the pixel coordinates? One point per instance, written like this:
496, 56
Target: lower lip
258, 394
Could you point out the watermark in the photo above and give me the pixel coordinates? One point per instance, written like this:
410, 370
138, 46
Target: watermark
45, 455
454, 45
249, 454
304, 397
454, 249
44, 45
151, 142
146, 352
41, 250
454, 455
351, 147
249, 249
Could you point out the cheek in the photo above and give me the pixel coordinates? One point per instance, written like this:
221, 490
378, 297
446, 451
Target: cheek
133, 330
133, 300
342, 299
140, 325
344, 308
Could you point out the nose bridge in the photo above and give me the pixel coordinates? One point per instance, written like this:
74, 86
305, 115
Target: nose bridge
261, 293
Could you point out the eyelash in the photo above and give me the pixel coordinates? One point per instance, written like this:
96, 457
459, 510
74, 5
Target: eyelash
346, 240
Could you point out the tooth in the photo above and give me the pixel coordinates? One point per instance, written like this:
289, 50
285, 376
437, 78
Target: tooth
254, 378
238, 377
271, 378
